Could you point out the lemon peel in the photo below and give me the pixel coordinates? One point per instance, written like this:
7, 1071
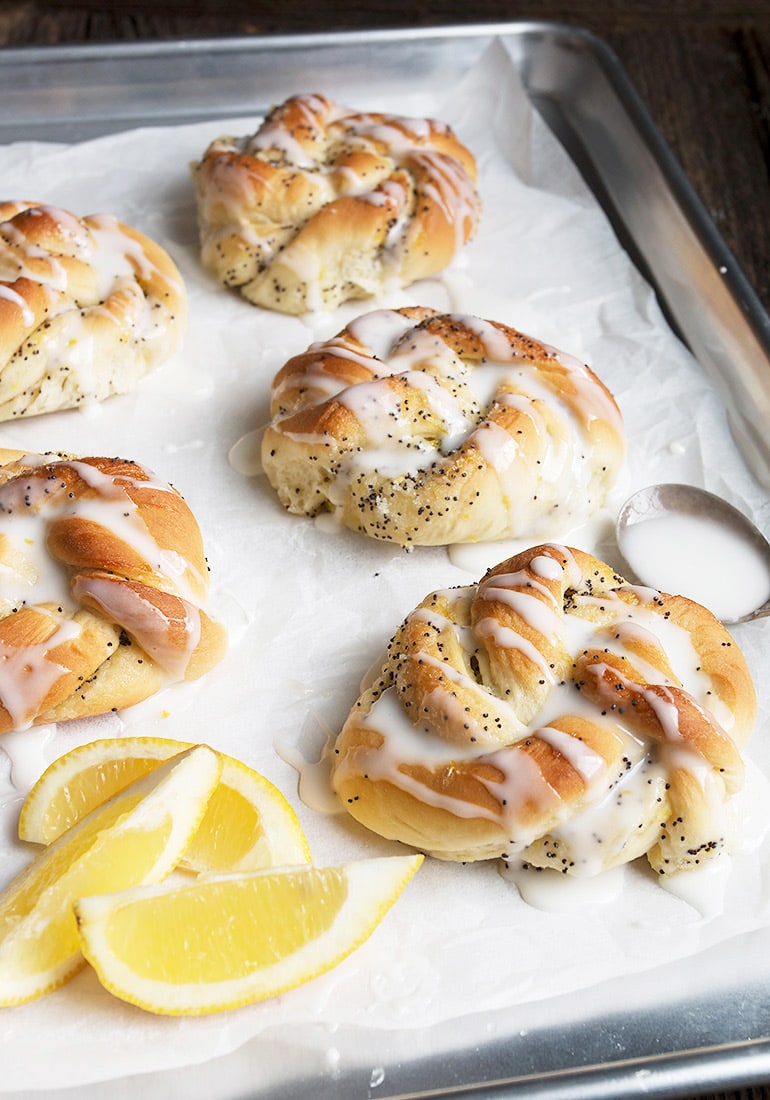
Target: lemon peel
138, 836
224, 941
248, 824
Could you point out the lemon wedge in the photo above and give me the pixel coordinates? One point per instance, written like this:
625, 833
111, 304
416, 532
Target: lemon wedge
248, 824
228, 940
136, 837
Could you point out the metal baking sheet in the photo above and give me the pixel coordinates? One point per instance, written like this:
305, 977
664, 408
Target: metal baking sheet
670, 1039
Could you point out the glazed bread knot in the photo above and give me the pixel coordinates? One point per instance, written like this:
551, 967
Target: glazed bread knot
424, 428
555, 716
87, 307
102, 581
323, 204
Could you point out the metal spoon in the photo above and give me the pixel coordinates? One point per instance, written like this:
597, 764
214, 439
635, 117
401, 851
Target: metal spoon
658, 501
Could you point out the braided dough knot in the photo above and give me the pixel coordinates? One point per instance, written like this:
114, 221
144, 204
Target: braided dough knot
102, 578
323, 204
554, 715
87, 307
418, 427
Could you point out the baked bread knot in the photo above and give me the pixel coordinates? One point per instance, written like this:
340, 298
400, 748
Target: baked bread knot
424, 428
87, 307
555, 716
102, 582
323, 204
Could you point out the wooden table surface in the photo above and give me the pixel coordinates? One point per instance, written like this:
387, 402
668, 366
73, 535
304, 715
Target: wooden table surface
702, 68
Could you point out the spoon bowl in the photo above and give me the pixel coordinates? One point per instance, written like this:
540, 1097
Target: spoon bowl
685, 540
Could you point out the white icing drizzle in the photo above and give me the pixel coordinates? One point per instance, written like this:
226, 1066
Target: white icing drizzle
98, 241
244, 456
379, 330
145, 622
274, 135
111, 507
32, 577
541, 616
586, 762
19, 261
405, 157
315, 378
92, 267
10, 295
555, 478
28, 673
447, 184
314, 786
117, 255
506, 638
454, 710
616, 811
563, 893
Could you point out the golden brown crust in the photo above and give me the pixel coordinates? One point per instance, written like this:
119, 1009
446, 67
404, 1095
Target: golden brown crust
87, 307
323, 204
104, 577
552, 708
425, 428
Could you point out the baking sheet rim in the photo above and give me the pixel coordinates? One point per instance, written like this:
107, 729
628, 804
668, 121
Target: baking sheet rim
727, 1063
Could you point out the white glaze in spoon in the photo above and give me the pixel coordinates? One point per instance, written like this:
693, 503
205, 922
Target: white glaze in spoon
684, 540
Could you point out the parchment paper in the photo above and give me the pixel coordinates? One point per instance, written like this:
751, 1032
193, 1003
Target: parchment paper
309, 609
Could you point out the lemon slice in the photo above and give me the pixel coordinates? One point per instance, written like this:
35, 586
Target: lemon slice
248, 823
228, 940
248, 826
136, 837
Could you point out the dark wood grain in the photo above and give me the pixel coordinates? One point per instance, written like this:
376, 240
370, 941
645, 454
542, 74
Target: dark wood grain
702, 68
